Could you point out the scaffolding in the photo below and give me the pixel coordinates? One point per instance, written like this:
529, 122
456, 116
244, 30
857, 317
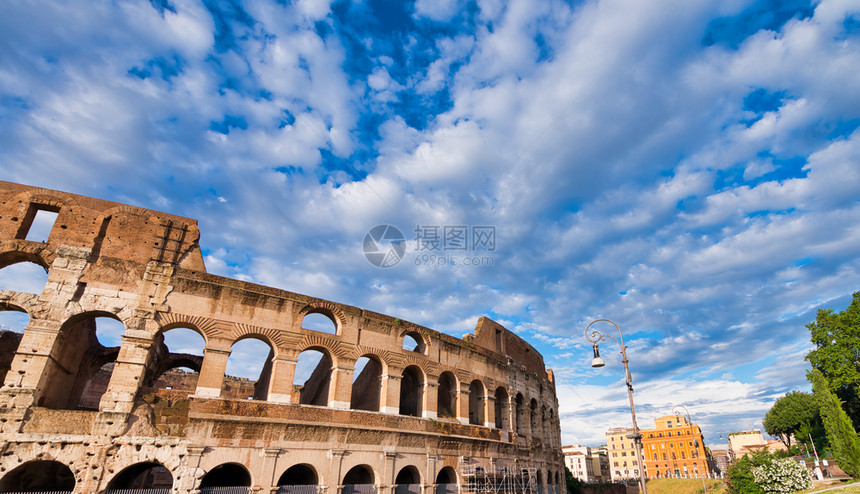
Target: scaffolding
497, 480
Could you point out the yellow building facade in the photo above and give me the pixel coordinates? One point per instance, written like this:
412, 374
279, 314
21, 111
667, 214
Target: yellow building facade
674, 448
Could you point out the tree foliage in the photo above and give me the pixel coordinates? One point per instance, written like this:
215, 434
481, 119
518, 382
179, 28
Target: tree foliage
844, 443
791, 413
836, 337
739, 477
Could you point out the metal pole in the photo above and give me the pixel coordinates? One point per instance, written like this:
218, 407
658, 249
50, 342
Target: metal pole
595, 337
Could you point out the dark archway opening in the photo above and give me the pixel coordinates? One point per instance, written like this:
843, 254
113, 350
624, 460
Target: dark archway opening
366, 384
226, 475
359, 480
313, 377
446, 402
298, 479
408, 481
148, 475
38, 476
501, 408
411, 386
476, 403
446, 481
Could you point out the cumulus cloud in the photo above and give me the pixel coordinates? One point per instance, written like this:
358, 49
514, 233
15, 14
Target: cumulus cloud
687, 170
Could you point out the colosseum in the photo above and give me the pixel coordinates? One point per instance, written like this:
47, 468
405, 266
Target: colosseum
387, 407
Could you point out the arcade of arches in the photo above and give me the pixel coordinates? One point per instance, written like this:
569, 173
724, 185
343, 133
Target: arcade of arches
130, 370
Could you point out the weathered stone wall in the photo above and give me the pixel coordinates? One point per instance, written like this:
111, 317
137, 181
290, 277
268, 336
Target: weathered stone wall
145, 269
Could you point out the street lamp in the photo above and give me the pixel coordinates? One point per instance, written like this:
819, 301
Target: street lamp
596, 337
680, 410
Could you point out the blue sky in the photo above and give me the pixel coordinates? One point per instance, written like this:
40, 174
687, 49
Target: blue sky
687, 169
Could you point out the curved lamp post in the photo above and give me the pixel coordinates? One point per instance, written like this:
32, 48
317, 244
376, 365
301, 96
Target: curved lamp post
595, 337
681, 410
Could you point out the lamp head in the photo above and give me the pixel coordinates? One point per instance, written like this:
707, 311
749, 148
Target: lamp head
597, 361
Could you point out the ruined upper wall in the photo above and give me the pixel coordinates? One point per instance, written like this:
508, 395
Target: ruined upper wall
106, 229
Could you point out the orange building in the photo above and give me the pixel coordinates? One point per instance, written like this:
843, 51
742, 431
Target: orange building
674, 448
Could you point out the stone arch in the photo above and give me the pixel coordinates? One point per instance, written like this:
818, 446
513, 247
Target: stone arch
315, 389
534, 418
237, 382
502, 408
519, 413
23, 276
357, 475
15, 251
200, 325
67, 208
328, 309
77, 356
411, 391
406, 479
144, 475
421, 343
476, 402
299, 474
446, 481
367, 384
227, 475
446, 399
38, 475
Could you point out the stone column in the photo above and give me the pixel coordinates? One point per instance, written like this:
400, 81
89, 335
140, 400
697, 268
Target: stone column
270, 460
463, 403
283, 373
335, 476
429, 409
390, 395
212, 372
490, 411
31, 364
390, 465
340, 389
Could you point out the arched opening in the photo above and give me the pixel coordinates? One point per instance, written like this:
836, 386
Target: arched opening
298, 479
38, 476
359, 480
476, 403
413, 342
446, 399
366, 384
539, 482
12, 323
312, 379
446, 481
319, 321
520, 411
147, 475
226, 475
247, 376
533, 419
23, 276
82, 362
178, 357
411, 391
408, 481
502, 409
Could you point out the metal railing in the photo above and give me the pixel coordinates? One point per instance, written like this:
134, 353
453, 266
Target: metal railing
225, 490
298, 489
358, 489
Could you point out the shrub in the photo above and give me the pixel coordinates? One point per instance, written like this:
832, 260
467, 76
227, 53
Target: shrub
782, 475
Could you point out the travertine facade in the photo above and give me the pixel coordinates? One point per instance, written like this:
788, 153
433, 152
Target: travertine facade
451, 414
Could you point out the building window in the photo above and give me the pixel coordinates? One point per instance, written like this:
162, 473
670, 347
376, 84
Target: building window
664, 456
655, 456
615, 464
624, 453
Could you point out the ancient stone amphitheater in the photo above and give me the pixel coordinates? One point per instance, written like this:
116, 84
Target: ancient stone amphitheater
389, 407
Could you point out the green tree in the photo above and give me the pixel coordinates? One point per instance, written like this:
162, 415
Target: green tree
836, 337
844, 443
739, 477
790, 414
